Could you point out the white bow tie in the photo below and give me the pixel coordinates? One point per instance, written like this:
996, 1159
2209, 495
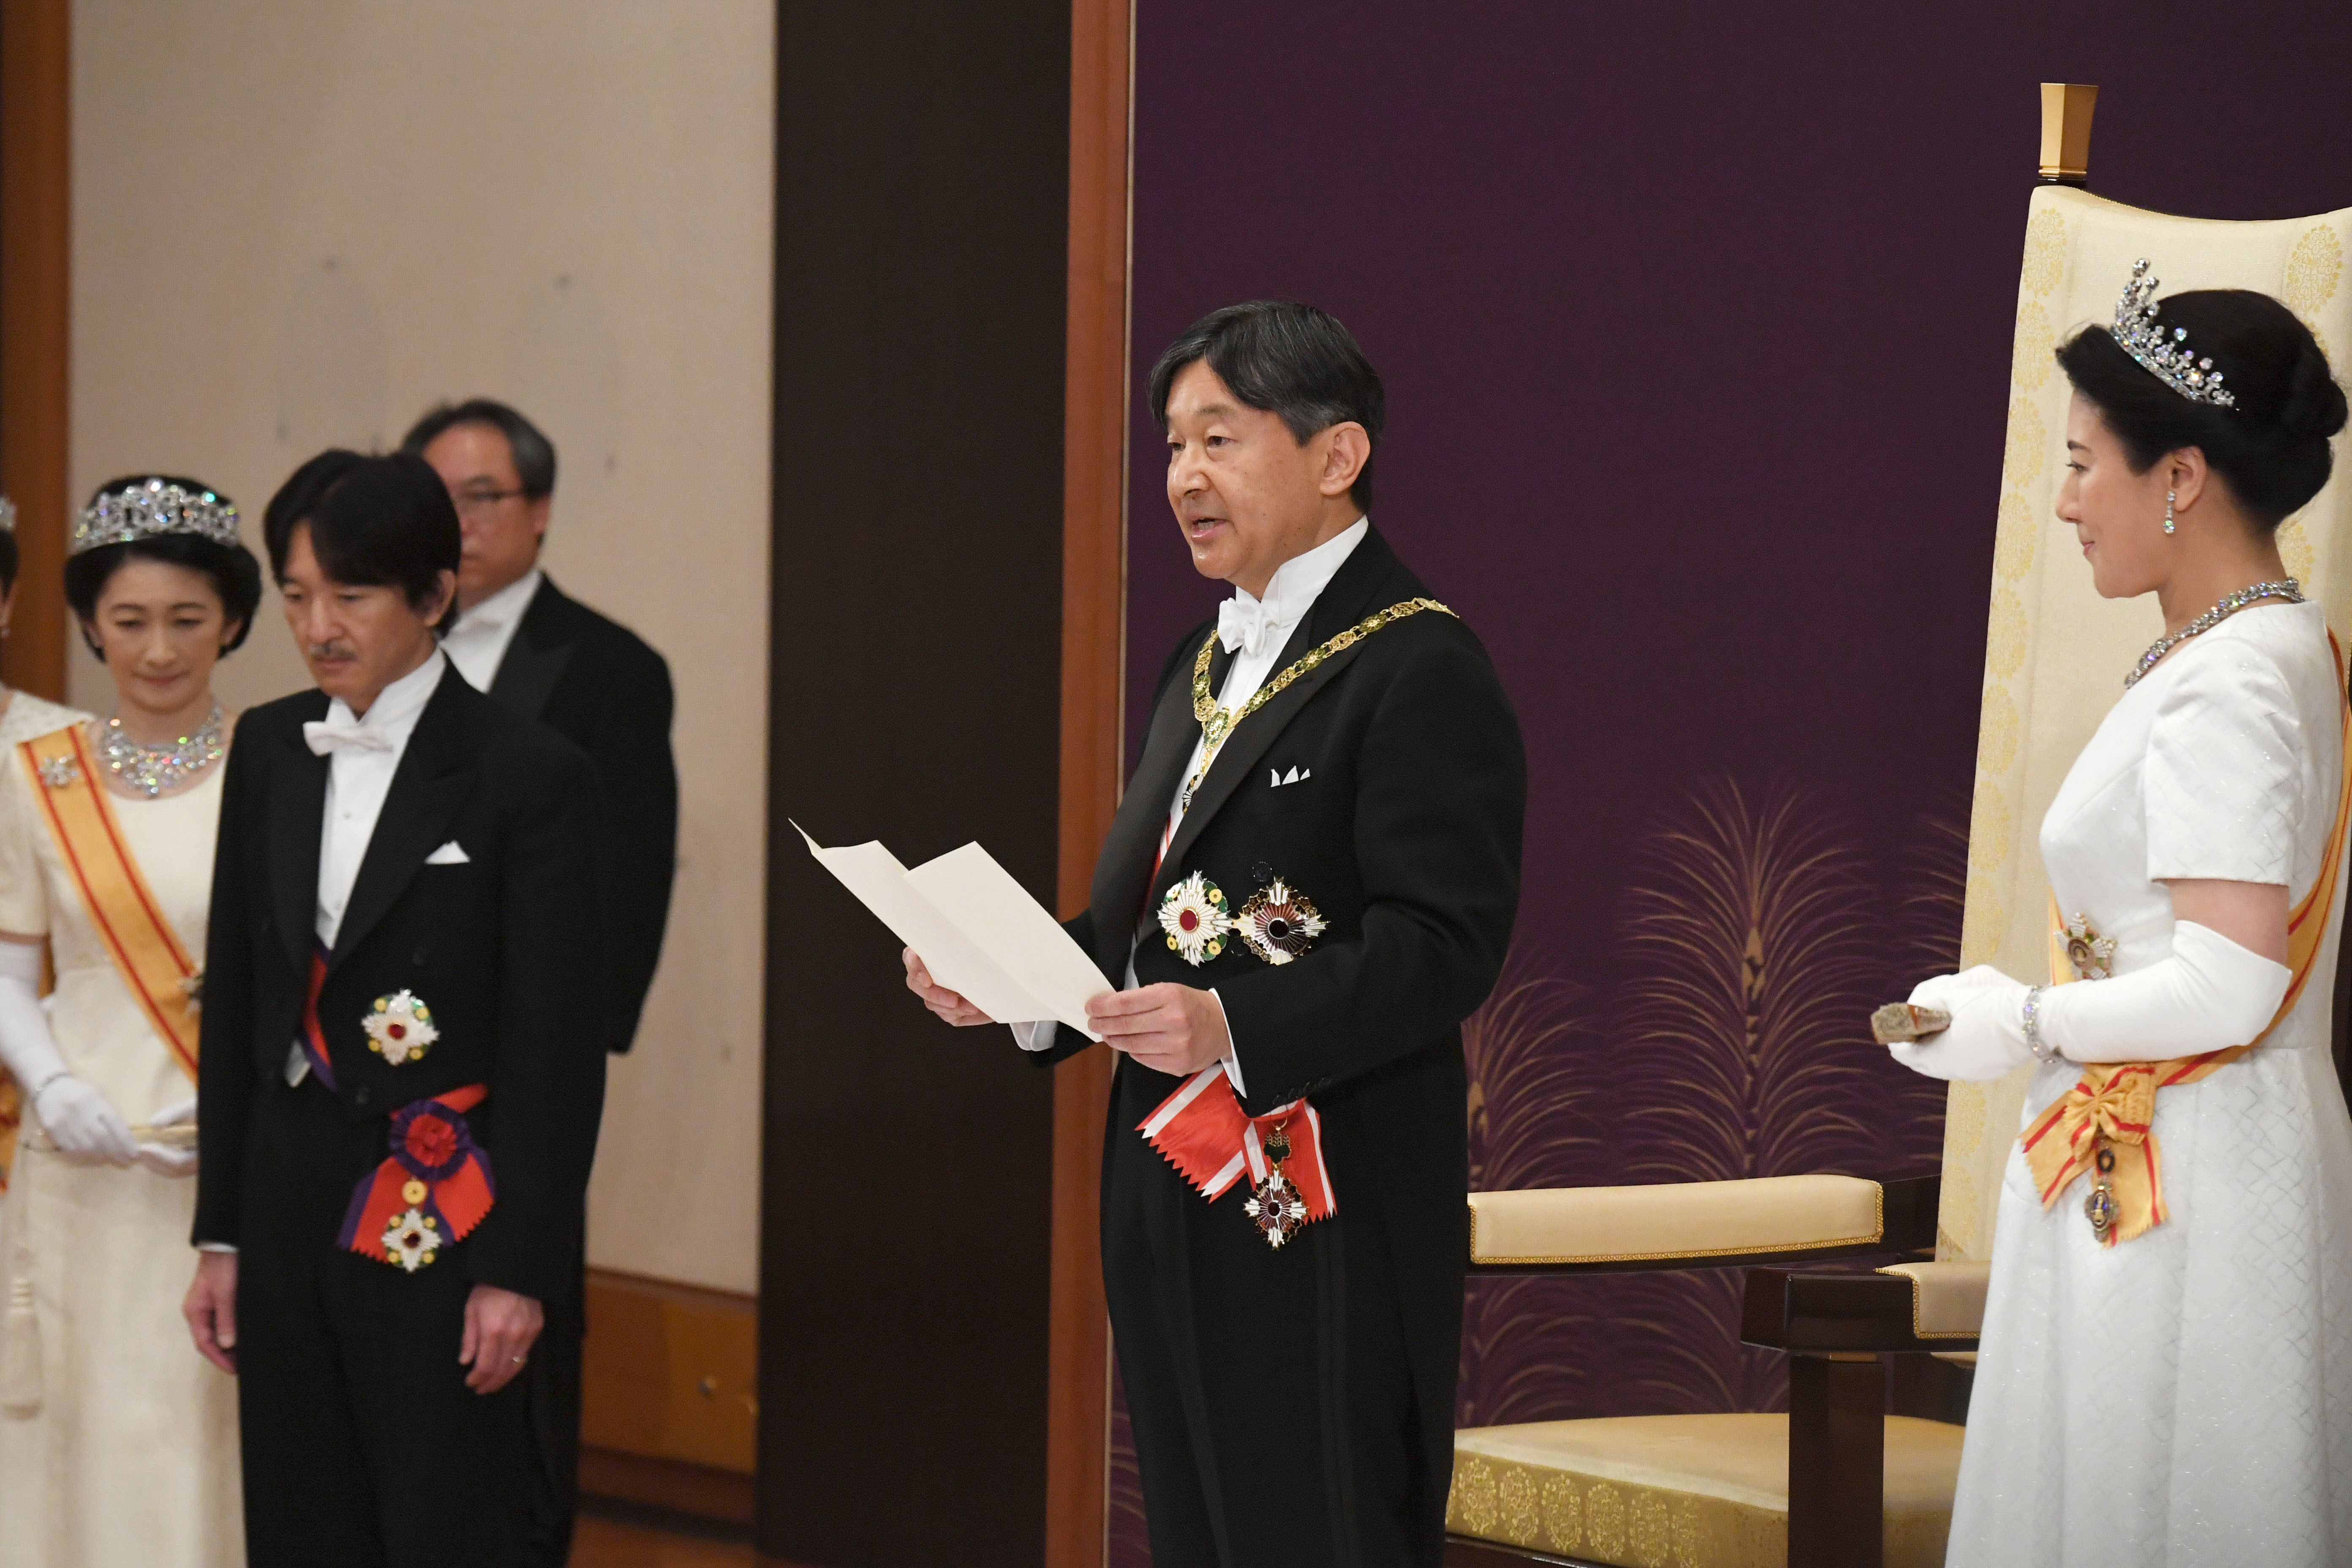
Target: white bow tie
323, 737
1242, 627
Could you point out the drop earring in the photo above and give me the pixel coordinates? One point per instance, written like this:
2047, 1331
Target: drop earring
2168, 511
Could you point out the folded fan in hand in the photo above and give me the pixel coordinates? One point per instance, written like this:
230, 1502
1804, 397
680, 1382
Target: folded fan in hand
1900, 1022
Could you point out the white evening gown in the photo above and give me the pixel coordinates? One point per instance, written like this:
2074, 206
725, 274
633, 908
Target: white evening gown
2185, 1399
132, 1456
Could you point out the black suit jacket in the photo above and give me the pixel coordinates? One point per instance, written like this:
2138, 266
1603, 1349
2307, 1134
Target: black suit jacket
504, 948
599, 685
1403, 830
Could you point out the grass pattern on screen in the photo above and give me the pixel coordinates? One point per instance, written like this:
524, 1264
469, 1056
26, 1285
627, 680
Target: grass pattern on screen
1752, 969
1533, 1097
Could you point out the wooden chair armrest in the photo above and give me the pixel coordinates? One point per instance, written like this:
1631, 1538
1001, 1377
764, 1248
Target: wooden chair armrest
1832, 1314
1698, 1225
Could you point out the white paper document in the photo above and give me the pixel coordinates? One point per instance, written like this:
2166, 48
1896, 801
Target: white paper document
975, 928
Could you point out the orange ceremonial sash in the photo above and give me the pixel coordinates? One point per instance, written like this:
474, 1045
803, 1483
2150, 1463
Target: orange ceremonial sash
2113, 1105
147, 951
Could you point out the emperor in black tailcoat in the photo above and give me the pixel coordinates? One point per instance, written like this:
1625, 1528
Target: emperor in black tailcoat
504, 948
1297, 1404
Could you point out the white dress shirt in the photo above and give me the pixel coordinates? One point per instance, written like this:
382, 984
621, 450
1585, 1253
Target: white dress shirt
477, 645
1254, 630
358, 780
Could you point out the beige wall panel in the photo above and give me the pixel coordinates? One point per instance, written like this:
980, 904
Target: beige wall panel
300, 225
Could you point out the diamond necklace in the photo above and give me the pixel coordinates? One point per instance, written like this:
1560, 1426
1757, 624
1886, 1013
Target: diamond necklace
2286, 588
151, 770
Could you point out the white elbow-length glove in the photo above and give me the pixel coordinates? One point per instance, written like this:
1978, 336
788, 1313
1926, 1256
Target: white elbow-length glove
79, 1120
2209, 995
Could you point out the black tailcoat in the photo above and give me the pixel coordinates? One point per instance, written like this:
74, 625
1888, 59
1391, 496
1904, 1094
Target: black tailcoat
1298, 1406
603, 687
361, 1443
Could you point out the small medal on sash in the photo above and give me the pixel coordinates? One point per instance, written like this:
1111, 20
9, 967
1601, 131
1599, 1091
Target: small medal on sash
412, 1239
400, 1027
1275, 1206
1194, 915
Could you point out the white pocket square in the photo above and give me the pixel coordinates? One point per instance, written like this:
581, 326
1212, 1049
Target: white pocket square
450, 854
1276, 778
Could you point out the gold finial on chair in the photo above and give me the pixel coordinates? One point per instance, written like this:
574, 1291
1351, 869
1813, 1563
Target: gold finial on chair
2066, 131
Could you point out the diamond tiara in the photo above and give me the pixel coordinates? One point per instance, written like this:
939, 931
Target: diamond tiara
156, 507
2171, 361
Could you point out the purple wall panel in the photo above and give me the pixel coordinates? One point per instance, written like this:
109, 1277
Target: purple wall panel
1696, 327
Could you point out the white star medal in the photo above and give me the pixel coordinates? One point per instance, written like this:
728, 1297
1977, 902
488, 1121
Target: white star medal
412, 1239
1194, 915
400, 1027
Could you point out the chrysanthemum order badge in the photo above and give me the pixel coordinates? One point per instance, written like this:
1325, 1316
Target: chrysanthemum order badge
400, 1027
1195, 916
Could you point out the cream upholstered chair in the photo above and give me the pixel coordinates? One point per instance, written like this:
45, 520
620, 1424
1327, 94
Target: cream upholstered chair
1836, 1483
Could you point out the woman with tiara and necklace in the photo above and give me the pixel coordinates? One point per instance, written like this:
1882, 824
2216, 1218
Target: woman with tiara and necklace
2165, 1364
117, 1443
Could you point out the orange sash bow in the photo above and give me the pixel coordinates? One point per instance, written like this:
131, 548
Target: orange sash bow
2112, 1107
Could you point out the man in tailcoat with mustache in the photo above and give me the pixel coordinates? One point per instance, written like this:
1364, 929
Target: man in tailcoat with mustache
403, 1059
1309, 884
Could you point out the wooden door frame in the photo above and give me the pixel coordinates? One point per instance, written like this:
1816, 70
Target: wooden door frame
1093, 674
36, 338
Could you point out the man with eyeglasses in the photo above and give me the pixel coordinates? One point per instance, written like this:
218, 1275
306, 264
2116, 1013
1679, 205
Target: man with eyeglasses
545, 655
550, 658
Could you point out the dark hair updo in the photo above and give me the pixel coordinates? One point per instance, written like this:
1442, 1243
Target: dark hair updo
235, 574
2270, 448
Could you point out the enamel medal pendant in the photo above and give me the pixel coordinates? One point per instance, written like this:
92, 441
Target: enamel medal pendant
1279, 922
400, 1027
1194, 917
1275, 1206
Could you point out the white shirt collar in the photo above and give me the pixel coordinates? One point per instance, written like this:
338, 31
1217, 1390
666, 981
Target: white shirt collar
398, 705
505, 605
1290, 593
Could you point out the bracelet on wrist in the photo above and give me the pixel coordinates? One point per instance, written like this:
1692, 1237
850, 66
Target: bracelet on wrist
33, 1095
2033, 1021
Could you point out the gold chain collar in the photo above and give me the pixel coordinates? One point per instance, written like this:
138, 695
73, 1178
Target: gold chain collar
1218, 723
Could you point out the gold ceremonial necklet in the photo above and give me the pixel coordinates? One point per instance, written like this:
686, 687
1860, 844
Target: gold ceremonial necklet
1217, 724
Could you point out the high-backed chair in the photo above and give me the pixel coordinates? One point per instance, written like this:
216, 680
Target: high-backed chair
1837, 1483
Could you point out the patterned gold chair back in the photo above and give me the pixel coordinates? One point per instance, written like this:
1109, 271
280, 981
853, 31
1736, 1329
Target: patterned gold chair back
2055, 653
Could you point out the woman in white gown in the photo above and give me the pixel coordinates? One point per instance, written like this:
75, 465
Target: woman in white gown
2165, 1372
118, 1443
22, 717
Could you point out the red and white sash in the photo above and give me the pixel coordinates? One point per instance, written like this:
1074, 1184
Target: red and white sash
1210, 1141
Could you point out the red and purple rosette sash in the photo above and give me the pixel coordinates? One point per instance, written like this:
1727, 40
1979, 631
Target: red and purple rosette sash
1202, 1130
432, 1149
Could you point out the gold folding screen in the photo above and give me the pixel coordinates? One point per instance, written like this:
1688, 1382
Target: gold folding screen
2055, 653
